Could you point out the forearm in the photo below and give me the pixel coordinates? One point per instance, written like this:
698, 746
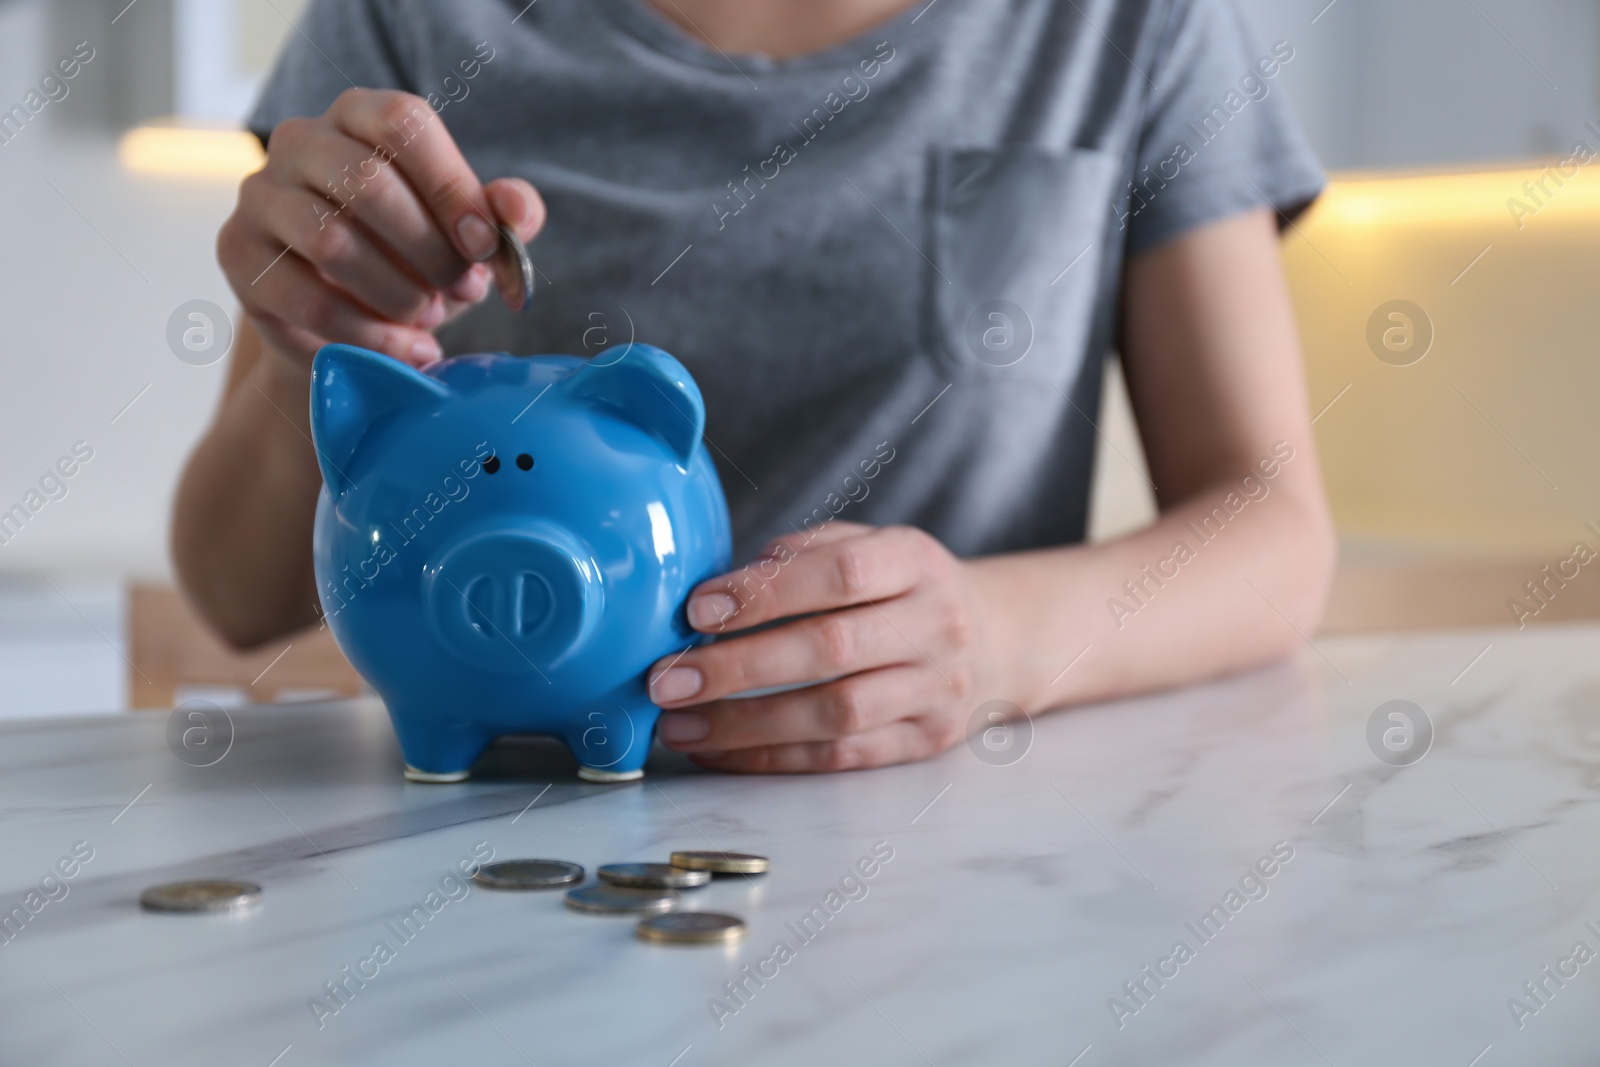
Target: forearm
1142, 613
245, 505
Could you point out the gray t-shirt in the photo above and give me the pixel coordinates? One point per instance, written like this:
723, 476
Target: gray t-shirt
893, 266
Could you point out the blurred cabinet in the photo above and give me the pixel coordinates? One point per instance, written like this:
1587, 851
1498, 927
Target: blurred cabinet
223, 49
199, 61
132, 75
1448, 323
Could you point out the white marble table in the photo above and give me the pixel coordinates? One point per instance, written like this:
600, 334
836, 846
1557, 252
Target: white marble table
1019, 899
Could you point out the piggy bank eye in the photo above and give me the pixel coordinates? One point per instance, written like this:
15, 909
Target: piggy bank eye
491, 464
525, 462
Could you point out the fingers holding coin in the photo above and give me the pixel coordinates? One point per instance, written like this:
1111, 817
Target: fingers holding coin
368, 226
520, 214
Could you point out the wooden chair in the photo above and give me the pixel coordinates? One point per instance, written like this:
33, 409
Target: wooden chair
171, 650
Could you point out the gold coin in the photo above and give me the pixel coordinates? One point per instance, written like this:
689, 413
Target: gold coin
200, 896
652, 876
620, 900
692, 928
722, 862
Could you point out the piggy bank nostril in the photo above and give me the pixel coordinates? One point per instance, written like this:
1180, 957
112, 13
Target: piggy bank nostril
491, 464
481, 608
525, 462
535, 603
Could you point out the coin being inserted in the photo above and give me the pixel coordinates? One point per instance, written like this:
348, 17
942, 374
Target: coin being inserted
692, 928
722, 862
201, 896
620, 900
528, 874
514, 260
652, 876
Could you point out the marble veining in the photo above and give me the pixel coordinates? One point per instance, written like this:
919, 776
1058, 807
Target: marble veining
1027, 914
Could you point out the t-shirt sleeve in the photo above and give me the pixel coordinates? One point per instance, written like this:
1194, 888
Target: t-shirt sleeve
336, 45
1218, 135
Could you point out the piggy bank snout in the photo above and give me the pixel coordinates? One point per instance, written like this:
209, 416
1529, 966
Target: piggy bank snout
513, 600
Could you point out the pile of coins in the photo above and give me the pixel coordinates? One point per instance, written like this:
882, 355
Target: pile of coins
651, 890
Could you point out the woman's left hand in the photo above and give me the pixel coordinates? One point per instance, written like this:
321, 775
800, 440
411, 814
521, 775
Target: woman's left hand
884, 633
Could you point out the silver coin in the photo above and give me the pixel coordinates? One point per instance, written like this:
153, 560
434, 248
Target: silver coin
200, 896
652, 876
692, 927
515, 262
528, 874
722, 862
620, 900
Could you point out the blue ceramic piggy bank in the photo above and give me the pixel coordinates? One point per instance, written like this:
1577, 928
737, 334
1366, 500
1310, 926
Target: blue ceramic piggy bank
504, 545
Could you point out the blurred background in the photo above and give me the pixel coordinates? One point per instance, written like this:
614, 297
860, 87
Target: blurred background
1445, 289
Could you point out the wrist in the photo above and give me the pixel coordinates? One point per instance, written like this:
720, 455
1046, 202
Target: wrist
273, 418
999, 638
282, 377
1033, 635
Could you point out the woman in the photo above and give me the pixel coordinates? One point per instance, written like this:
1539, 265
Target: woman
893, 243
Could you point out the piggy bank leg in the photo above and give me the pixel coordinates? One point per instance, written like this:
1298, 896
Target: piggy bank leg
435, 749
611, 741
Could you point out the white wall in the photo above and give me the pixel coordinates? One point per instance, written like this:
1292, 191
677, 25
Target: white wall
93, 264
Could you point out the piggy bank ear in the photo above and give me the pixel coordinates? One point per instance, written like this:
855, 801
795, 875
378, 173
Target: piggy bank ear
648, 388
353, 390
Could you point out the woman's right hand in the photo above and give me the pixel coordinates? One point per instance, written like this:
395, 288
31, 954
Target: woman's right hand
367, 227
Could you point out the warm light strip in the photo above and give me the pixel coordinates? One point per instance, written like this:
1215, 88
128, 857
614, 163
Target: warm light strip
1512, 196
190, 152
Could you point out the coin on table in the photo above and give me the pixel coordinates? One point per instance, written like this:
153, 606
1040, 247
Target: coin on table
652, 876
514, 261
722, 862
692, 927
528, 874
200, 896
620, 900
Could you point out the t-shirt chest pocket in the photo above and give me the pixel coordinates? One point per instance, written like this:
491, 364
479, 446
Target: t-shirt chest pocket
1018, 248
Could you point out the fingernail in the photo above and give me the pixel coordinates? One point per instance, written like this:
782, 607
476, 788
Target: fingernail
425, 351
473, 286
477, 237
514, 209
675, 683
681, 727
710, 610
432, 315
